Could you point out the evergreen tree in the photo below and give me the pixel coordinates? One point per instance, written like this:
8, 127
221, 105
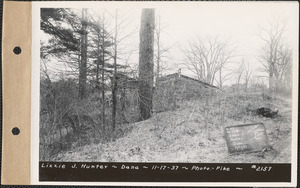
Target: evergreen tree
68, 40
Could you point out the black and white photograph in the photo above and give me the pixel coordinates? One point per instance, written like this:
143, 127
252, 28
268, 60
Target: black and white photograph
166, 82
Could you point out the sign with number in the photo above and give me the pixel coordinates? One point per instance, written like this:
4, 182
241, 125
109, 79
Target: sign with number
246, 138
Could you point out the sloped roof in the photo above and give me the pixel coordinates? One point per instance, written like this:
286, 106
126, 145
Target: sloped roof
186, 77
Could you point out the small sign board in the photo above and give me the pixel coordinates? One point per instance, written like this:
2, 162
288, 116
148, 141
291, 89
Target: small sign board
246, 138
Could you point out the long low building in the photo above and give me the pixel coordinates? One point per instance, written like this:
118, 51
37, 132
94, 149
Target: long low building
172, 89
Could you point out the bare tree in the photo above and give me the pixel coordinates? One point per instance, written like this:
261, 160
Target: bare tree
114, 80
160, 50
207, 57
239, 74
243, 74
224, 75
275, 56
83, 63
284, 74
103, 49
119, 35
247, 75
146, 62
101, 41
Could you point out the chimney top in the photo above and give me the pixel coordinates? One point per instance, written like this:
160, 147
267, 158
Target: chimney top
179, 73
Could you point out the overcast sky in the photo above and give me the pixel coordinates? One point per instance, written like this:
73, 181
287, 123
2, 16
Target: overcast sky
239, 21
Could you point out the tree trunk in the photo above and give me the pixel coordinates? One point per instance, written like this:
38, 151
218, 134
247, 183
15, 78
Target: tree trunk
123, 104
271, 83
146, 63
158, 52
114, 101
114, 84
98, 68
103, 80
220, 79
271, 70
83, 63
158, 65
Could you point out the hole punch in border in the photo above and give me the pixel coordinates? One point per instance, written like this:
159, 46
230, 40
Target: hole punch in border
17, 50
15, 131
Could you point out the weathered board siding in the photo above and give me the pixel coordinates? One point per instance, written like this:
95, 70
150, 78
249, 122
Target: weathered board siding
173, 89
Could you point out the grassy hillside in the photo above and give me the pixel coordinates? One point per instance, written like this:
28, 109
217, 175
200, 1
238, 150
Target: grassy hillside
193, 132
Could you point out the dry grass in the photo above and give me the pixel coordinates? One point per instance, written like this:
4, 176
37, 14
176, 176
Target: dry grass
180, 135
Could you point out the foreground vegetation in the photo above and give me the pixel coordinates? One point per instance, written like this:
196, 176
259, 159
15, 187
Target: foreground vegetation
192, 132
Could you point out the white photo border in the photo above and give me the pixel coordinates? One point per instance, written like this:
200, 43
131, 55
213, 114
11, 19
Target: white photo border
36, 6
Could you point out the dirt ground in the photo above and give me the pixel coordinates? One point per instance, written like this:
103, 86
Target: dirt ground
180, 135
